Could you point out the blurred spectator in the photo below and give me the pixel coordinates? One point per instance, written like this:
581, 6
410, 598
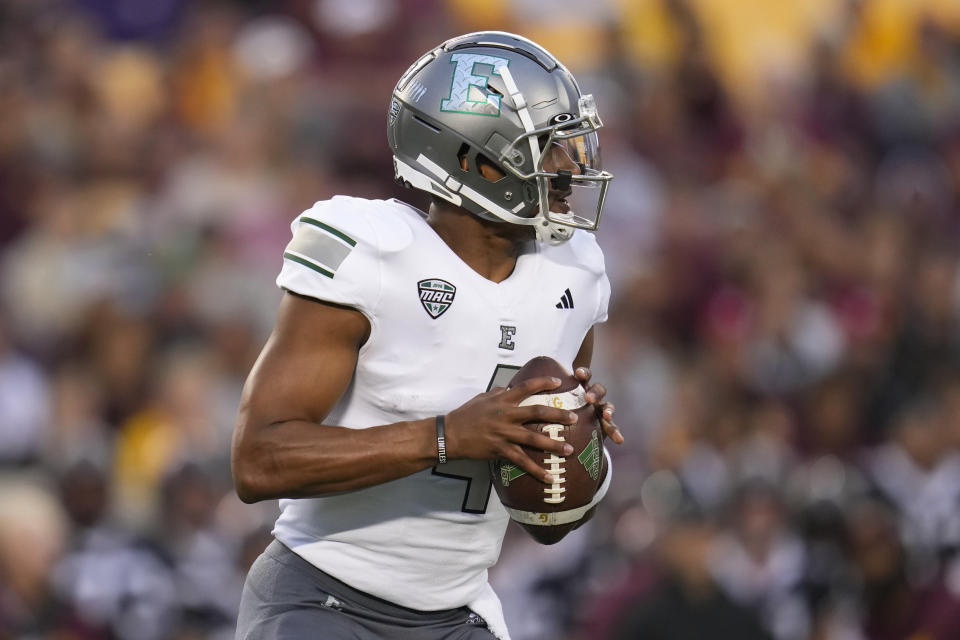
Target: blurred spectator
24, 405
897, 605
33, 534
687, 603
761, 565
113, 585
202, 564
919, 473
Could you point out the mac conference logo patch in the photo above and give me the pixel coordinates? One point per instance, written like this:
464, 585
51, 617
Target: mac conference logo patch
436, 296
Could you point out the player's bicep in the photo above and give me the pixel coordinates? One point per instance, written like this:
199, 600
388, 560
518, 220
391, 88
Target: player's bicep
307, 363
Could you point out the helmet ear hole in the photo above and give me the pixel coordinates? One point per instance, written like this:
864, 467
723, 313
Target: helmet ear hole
530, 194
488, 170
462, 156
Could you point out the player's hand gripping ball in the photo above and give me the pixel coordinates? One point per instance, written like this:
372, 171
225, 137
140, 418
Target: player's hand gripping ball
549, 511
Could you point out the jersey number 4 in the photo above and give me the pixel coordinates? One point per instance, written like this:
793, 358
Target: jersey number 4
476, 473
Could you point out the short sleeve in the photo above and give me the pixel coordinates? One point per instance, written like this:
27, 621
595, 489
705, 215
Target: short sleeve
334, 255
587, 255
603, 298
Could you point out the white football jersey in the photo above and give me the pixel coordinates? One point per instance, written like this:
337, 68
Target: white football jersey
440, 333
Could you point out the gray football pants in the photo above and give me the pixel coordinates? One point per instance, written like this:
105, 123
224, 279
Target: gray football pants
287, 598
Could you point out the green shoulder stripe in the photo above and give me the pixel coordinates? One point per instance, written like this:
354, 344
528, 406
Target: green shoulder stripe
308, 263
319, 246
329, 229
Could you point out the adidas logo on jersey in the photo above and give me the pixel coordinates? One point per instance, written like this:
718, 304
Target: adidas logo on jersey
566, 300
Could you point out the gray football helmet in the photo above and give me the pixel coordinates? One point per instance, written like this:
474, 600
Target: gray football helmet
499, 98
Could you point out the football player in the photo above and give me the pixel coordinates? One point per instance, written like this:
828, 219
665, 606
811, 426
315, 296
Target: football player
379, 399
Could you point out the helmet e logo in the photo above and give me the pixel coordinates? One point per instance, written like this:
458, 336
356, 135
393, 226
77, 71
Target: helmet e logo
468, 89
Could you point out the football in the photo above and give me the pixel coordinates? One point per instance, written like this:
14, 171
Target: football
548, 512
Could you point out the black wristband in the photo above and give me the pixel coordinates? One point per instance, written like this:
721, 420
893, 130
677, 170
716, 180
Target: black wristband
441, 439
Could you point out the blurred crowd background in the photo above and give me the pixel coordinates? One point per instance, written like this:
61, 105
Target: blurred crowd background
783, 345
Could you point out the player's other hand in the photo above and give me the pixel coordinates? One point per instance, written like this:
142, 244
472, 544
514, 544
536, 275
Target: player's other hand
490, 426
595, 395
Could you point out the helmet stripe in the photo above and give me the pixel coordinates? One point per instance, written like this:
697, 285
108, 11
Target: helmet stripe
521, 104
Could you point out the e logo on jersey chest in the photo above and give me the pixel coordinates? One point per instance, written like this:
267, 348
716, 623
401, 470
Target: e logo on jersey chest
506, 337
436, 296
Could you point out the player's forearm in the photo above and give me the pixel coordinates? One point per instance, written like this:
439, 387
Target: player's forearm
298, 459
